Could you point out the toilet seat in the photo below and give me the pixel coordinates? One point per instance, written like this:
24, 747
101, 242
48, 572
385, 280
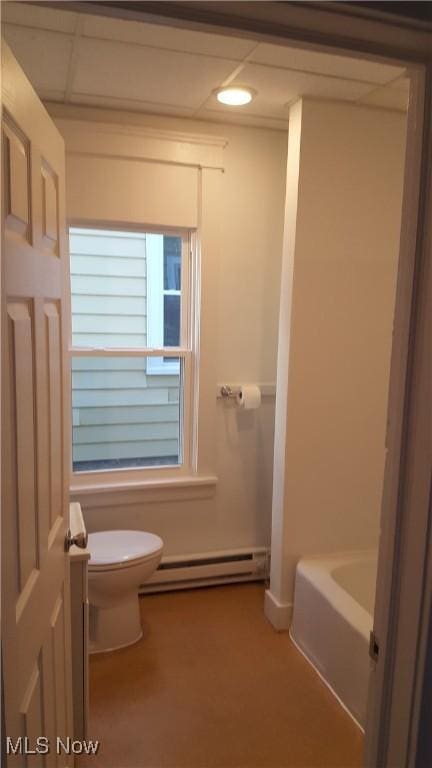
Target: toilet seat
112, 550
122, 566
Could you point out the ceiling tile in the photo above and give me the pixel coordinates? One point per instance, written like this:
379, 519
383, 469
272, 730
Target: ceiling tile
261, 106
241, 118
401, 84
130, 105
277, 88
132, 72
44, 56
30, 15
325, 63
389, 97
167, 37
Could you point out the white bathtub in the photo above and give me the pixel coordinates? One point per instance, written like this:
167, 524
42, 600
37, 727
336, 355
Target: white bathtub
332, 618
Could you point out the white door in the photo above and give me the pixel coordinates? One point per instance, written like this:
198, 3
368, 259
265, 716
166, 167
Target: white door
35, 424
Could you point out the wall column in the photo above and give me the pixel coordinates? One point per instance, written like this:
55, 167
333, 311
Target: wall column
341, 245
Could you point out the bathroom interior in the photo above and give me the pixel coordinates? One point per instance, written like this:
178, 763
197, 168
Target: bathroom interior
233, 480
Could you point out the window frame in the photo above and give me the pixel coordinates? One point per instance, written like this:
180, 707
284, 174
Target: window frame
185, 351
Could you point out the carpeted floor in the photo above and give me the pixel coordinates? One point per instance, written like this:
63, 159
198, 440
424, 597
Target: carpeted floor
212, 685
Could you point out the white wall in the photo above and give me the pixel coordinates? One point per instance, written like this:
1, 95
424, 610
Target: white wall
245, 281
344, 194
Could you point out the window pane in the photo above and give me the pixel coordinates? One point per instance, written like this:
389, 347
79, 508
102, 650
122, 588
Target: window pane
108, 288
121, 416
172, 263
171, 320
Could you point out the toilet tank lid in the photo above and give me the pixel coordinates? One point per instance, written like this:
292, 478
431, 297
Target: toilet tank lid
120, 546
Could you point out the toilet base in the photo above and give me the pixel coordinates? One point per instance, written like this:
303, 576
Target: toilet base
116, 626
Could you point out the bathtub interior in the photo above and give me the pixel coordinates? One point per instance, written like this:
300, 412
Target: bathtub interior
359, 580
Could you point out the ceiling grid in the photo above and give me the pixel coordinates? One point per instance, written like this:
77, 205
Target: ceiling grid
92, 60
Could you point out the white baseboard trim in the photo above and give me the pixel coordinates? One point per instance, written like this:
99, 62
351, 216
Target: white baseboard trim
278, 614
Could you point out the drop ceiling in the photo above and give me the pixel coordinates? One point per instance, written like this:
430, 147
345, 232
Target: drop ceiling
82, 59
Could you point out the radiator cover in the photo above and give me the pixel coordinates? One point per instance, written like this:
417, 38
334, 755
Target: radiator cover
205, 569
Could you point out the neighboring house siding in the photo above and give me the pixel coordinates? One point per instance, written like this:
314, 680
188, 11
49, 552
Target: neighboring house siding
119, 411
108, 285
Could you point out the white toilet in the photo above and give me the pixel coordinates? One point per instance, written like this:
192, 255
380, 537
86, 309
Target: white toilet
120, 562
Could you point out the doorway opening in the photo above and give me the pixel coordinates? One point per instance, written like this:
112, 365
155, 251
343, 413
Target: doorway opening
295, 203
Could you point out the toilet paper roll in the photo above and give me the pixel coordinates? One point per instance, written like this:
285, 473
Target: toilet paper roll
249, 397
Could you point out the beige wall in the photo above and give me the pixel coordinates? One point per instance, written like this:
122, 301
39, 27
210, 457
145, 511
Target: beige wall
245, 278
344, 193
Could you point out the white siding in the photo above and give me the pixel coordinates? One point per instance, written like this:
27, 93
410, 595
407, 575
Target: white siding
119, 411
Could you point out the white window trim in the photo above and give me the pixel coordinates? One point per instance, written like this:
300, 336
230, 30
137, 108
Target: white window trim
157, 366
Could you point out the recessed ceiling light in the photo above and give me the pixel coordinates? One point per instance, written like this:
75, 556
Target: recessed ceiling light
235, 96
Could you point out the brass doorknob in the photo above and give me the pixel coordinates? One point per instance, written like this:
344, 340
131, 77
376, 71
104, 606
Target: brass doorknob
80, 540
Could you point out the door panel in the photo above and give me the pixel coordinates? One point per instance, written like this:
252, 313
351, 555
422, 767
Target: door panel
50, 223
33, 711
35, 423
16, 171
22, 424
52, 329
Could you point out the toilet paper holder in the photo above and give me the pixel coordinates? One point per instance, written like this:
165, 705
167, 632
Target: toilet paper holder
227, 391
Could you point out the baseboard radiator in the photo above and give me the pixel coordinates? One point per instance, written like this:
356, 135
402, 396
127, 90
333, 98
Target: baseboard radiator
202, 570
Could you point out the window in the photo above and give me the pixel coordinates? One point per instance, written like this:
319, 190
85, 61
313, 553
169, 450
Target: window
130, 348
164, 291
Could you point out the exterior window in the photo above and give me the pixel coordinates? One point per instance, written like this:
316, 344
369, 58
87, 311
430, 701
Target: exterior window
130, 348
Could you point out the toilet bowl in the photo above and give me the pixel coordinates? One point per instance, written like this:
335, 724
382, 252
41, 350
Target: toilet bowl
120, 561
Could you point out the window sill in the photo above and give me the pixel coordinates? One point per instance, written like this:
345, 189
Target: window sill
175, 489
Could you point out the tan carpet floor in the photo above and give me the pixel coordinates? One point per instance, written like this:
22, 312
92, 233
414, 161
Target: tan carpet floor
212, 685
